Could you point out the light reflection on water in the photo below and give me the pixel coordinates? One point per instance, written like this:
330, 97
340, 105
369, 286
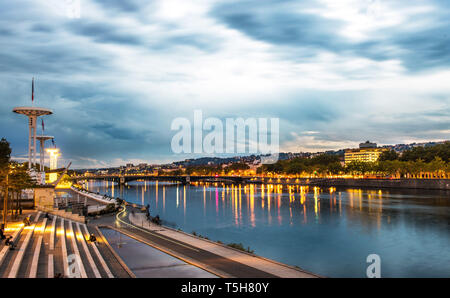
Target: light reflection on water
327, 231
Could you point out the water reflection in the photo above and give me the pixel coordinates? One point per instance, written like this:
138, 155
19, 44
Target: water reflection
329, 231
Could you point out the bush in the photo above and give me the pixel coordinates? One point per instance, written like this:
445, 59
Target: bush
198, 235
110, 208
240, 247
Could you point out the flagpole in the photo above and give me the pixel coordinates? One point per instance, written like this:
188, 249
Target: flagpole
32, 92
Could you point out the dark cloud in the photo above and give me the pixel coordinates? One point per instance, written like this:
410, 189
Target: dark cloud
425, 49
198, 41
50, 59
121, 5
126, 36
104, 33
283, 27
42, 28
277, 23
115, 132
6, 32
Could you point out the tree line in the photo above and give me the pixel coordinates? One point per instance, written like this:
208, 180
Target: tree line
411, 163
14, 177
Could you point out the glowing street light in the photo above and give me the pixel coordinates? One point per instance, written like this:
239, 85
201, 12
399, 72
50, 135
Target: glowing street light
54, 154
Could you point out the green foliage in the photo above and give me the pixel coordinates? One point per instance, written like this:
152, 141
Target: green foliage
5, 156
240, 247
236, 167
330, 165
322, 164
428, 154
388, 155
207, 170
200, 236
5, 153
19, 178
177, 172
110, 208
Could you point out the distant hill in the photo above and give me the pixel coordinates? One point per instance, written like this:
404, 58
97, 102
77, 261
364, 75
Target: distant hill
202, 161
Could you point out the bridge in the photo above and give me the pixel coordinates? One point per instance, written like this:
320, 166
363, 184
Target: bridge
122, 179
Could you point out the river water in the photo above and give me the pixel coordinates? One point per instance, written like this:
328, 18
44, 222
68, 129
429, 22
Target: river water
327, 231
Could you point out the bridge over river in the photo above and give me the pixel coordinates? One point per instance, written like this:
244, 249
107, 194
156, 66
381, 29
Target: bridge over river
122, 179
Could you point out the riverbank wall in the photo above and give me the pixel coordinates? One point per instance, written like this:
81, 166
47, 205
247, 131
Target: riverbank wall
439, 184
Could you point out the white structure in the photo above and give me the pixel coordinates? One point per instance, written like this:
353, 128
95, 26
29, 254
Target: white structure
42, 140
32, 113
54, 154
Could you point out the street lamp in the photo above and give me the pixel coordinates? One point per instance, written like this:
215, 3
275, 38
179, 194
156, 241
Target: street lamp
5, 200
54, 154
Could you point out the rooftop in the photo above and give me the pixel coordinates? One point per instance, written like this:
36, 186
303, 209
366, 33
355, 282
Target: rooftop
32, 111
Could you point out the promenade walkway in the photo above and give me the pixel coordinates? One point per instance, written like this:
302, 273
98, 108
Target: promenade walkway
213, 257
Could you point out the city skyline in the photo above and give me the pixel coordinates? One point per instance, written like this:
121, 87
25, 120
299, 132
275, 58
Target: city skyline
117, 76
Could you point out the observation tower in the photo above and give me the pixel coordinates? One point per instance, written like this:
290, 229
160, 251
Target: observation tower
32, 113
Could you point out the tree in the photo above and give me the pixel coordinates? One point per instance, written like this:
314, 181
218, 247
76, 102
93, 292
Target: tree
19, 179
5, 156
177, 172
236, 167
295, 168
437, 165
388, 155
427, 154
323, 159
335, 168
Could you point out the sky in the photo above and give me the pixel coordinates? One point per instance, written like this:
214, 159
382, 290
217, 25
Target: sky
117, 74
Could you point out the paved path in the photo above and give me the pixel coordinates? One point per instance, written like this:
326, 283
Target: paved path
213, 257
148, 262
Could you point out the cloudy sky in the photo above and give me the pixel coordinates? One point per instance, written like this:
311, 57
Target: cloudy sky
334, 72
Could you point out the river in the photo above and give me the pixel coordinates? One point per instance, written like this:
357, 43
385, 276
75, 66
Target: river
327, 231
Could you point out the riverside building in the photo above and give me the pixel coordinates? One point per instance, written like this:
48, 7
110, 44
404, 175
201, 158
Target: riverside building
367, 152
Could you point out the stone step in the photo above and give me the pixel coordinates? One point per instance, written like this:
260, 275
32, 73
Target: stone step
98, 258
75, 258
21, 249
91, 267
57, 249
53, 245
114, 267
39, 233
5, 249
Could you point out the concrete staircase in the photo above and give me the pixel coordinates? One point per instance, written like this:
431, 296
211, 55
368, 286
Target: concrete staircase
56, 246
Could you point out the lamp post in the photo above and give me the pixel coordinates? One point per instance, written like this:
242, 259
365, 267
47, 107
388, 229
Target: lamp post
54, 154
5, 201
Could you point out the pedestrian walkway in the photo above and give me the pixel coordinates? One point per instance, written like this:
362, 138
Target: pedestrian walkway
149, 262
217, 258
